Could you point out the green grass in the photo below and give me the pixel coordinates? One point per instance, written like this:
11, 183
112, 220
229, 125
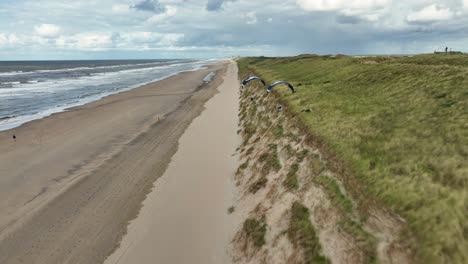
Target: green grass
249, 131
259, 184
278, 131
365, 241
302, 235
301, 155
400, 124
335, 193
250, 150
352, 226
255, 230
244, 165
291, 182
270, 160
289, 150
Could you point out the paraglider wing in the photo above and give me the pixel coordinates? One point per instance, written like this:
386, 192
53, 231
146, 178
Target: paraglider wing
280, 82
246, 81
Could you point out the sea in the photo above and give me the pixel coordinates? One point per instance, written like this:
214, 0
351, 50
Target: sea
32, 90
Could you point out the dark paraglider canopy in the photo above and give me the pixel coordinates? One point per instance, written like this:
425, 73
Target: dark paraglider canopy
280, 82
246, 81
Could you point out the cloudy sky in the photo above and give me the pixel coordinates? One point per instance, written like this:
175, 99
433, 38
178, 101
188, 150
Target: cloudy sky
113, 29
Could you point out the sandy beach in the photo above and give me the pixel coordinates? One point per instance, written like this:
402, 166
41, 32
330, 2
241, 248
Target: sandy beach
71, 182
185, 219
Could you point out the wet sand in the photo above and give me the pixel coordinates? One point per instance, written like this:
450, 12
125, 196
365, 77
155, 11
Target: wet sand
185, 219
72, 181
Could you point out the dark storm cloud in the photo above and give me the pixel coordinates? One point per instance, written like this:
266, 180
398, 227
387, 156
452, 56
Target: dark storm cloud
216, 5
316, 33
150, 6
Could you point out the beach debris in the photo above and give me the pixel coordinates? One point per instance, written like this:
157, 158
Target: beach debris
278, 83
246, 81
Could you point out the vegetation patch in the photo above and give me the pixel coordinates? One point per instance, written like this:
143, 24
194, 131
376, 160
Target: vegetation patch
333, 190
302, 235
289, 150
255, 231
244, 165
365, 241
278, 131
250, 150
270, 160
249, 131
316, 166
301, 155
350, 222
259, 184
291, 182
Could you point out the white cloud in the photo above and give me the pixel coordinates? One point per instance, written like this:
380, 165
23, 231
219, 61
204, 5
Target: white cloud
269, 20
338, 5
430, 13
149, 39
120, 8
159, 18
14, 40
9, 40
370, 10
47, 30
465, 4
170, 39
96, 41
250, 18
86, 41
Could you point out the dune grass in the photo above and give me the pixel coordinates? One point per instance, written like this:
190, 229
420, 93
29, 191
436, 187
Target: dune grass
302, 235
270, 160
291, 182
255, 230
259, 184
400, 124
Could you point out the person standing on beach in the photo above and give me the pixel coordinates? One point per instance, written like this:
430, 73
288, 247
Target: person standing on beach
14, 138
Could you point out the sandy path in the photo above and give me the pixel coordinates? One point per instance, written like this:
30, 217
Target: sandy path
71, 183
184, 219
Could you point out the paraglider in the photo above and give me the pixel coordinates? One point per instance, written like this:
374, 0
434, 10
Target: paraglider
246, 81
280, 82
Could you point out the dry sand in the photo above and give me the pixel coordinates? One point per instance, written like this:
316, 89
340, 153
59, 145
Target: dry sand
72, 181
185, 219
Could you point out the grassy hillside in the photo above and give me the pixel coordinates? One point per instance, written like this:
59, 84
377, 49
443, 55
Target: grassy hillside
400, 124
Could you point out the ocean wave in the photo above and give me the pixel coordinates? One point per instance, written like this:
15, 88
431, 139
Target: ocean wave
16, 73
71, 92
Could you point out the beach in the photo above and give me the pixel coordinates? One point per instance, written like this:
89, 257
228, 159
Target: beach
71, 182
185, 218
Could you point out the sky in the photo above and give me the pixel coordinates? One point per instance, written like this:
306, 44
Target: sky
153, 29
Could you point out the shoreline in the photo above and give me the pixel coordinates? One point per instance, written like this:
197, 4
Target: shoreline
84, 173
24, 119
